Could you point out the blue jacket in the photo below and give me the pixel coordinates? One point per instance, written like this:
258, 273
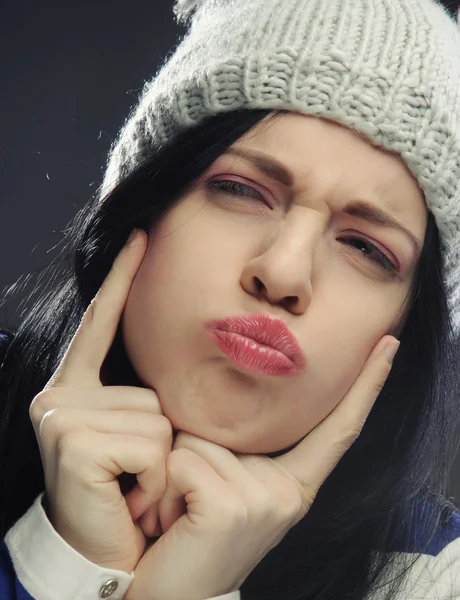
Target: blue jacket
10, 586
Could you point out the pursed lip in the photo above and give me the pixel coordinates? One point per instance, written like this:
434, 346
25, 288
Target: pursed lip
265, 330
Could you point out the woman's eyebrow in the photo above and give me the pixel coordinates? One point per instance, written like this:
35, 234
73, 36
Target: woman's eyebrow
377, 216
358, 208
269, 166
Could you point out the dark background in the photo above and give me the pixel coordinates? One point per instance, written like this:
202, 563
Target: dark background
70, 73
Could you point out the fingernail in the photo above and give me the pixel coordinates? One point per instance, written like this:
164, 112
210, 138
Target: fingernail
391, 350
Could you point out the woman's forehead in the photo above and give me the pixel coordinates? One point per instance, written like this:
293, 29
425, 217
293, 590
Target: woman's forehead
304, 151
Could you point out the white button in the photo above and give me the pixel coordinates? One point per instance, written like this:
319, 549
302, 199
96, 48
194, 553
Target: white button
108, 588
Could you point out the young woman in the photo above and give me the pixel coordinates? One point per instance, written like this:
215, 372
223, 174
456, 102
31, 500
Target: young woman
209, 408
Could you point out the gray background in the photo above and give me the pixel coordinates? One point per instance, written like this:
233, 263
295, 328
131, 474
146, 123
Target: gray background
70, 72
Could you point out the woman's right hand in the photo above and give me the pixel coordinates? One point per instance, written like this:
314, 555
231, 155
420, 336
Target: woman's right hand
89, 434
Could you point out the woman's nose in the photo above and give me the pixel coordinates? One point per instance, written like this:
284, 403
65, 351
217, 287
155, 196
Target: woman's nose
282, 273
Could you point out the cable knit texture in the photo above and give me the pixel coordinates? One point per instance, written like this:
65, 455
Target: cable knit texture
388, 69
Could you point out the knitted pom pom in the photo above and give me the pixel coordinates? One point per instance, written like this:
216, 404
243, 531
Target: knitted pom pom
184, 8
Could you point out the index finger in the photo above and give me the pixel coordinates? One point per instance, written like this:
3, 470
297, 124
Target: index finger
312, 460
90, 344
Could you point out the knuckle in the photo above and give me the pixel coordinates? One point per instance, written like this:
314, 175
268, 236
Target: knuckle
153, 400
291, 506
39, 406
158, 429
178, 455
53, 423
264, 504
233, 512
177, 458
147, 421
163, 427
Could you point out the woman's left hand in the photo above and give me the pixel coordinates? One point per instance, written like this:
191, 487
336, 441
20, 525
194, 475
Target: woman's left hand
222, 512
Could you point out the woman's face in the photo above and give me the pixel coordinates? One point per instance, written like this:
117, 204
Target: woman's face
284, 248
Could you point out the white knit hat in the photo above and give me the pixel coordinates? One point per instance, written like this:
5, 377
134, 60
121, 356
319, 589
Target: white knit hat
389, 69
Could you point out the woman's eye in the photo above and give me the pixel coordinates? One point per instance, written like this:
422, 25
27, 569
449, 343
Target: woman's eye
236, 188
378, 256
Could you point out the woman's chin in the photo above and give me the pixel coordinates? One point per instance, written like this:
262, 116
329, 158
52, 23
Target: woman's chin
240, 446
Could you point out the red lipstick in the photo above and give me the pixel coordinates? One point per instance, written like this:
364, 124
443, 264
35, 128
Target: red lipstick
258, 343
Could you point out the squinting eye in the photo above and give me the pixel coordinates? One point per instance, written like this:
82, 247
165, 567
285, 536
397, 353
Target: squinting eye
380, 258
235, 188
